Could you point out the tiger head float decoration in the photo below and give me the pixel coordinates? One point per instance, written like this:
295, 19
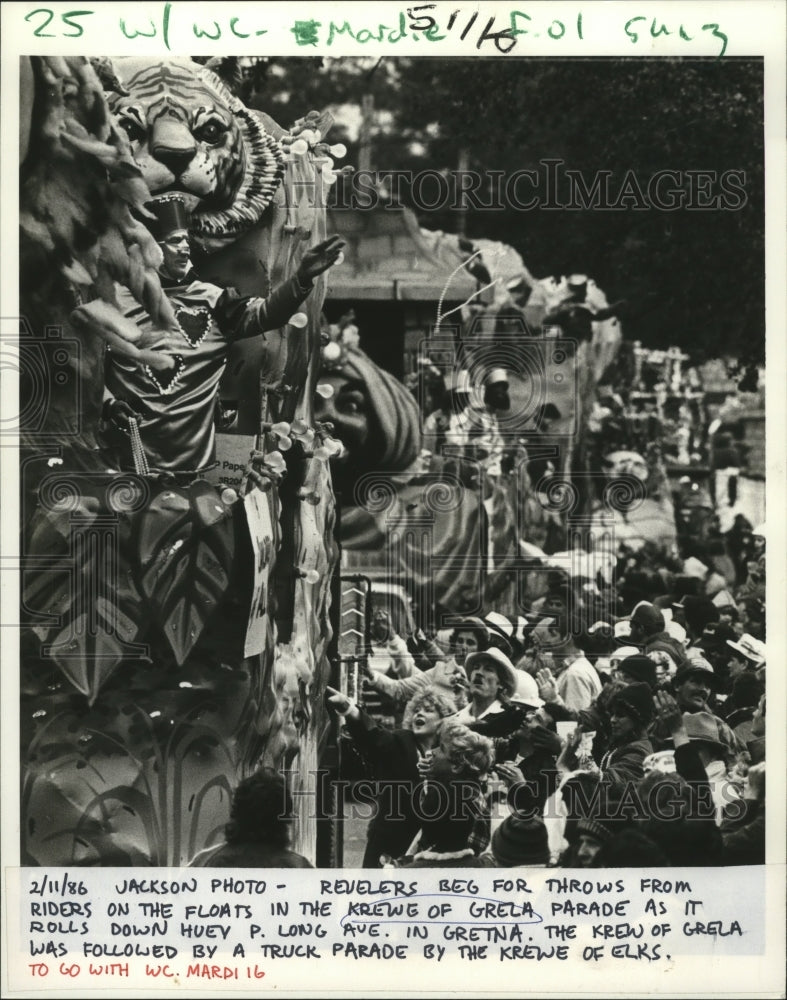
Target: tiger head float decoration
190, 134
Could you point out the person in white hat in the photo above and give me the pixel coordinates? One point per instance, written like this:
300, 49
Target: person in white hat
749, 654
493, 681
470, 635
496, 389
501, 630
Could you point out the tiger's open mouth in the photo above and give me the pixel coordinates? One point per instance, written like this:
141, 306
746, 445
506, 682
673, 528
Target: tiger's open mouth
190, 200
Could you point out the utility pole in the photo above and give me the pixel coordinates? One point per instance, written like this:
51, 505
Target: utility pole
463, 165
365, 133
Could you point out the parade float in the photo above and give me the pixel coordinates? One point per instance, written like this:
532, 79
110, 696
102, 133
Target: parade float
155, 671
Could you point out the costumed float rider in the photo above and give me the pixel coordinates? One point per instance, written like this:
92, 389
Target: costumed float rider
378, 421
175, 407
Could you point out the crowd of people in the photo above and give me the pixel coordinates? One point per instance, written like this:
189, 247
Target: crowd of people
620, 722
565, 740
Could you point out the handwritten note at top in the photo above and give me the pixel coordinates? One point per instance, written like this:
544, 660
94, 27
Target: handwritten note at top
505, 31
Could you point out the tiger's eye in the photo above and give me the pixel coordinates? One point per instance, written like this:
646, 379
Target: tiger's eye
133, 129
212, 132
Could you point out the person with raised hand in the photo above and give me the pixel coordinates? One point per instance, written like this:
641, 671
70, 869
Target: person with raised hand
172, 396
394, 757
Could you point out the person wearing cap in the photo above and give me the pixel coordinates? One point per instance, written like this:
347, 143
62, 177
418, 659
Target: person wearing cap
694, 683
692, 687
631, 712
745, 678
645, 623
637, 669
599, 643
713, 646
632, 668
493, 681
649, 629
699, 612
748, 654
587, 837
520, 842
174, 404
700, 756
470, 635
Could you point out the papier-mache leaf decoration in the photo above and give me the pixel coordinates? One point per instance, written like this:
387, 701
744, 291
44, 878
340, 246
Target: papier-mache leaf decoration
185, 547
84, 605
94, 639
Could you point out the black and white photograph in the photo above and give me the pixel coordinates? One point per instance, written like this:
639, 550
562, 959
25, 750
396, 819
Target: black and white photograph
392, 484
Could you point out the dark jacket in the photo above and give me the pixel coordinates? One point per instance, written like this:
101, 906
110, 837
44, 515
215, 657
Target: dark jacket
744, 839
540, 773
693, 840
393, 758
624, 763
596, 717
